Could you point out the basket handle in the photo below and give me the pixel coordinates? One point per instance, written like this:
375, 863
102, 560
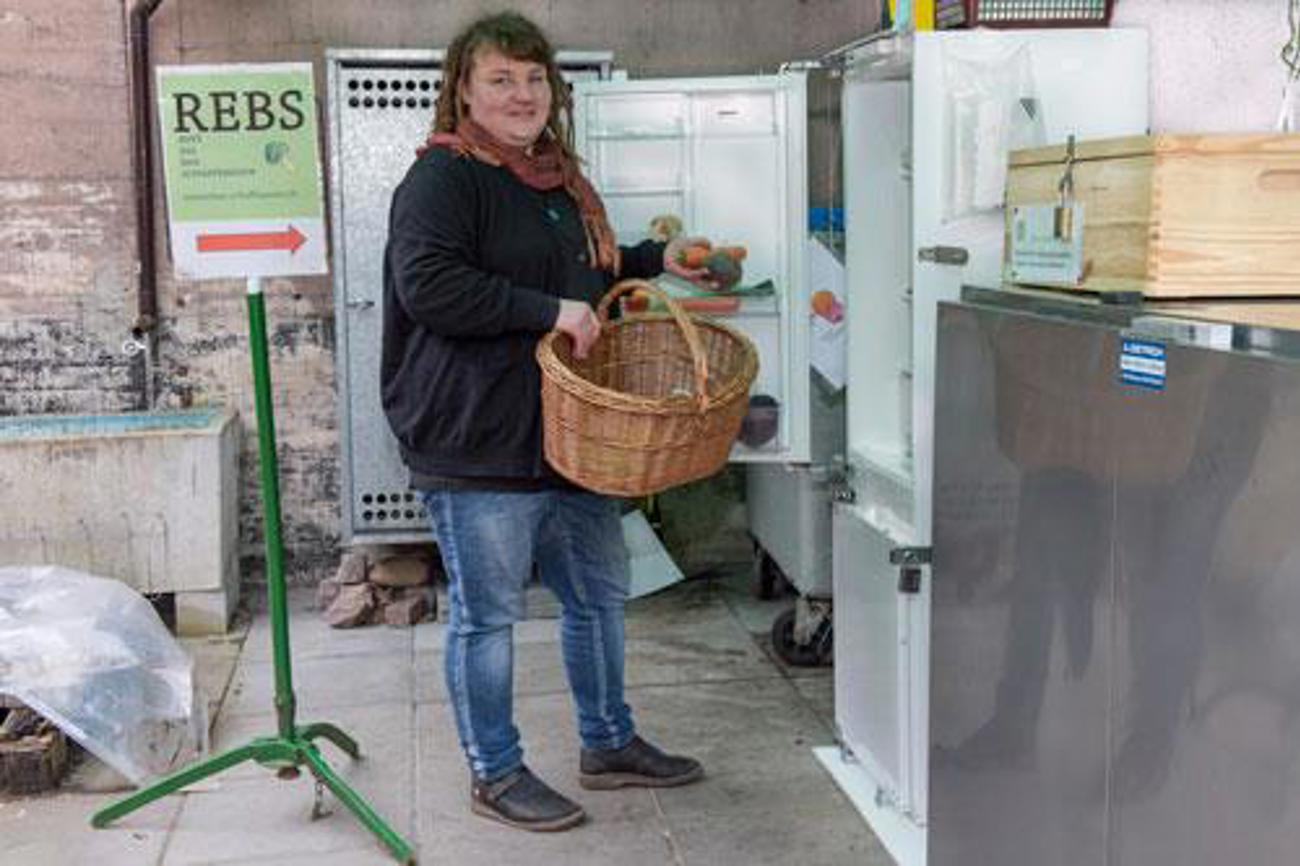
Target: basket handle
684, 323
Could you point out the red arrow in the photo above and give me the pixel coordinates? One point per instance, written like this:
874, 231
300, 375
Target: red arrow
289, 239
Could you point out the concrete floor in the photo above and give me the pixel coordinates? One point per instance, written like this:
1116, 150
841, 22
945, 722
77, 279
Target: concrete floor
700, 680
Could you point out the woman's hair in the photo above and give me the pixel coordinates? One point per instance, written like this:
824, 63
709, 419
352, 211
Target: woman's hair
519, 39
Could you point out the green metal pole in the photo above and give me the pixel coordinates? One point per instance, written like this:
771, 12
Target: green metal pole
285, 704
293, 747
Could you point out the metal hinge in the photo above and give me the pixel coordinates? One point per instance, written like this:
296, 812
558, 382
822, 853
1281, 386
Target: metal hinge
846, 753
942, 255
837, 481
911, 555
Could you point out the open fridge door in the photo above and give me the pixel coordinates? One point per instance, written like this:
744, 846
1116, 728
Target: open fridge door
726, 156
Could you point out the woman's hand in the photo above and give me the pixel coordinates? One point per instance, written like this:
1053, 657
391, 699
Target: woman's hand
673, 265
579, 321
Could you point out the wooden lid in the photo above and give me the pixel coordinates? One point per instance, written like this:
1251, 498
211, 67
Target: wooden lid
1106, 148
1150, 145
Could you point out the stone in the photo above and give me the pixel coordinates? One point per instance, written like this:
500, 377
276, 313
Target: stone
353, 607
408, 607
402, 571
352, 568
63, 500
326, 591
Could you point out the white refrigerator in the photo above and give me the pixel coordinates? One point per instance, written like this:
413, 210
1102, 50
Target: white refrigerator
927, 123
727, 155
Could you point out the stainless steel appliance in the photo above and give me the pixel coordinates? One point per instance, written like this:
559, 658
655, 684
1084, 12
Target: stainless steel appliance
1115, 623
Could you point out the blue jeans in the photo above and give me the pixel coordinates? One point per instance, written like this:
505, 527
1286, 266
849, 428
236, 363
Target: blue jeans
489, 542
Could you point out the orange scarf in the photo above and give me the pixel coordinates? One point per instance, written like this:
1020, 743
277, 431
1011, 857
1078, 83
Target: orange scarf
546, 168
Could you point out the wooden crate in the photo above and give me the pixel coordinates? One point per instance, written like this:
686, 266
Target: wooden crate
1176, 216
33, 752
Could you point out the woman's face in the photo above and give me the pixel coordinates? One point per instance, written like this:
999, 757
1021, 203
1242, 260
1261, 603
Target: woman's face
509, 98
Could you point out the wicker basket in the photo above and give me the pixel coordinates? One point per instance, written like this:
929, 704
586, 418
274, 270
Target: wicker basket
657, 402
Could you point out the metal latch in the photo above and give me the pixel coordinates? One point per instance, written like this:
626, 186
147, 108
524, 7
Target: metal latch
910, 561
838, 481
942, 255
359, 304
1063, 215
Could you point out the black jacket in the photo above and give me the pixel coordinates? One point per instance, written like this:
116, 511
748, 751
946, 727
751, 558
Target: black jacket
474, 270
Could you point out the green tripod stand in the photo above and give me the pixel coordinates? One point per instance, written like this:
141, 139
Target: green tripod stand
293, 745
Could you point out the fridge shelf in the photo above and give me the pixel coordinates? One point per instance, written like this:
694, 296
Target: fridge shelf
629, 192
608, 135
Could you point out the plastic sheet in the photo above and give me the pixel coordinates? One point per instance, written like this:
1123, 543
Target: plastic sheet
992, 109
92, 656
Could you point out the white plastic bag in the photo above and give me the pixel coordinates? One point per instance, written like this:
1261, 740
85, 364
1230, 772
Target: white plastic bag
992, 109
91, 655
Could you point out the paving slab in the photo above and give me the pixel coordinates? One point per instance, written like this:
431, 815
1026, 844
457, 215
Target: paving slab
55, 829
384, 732
626, 822
699, 682
324, 683
705, 646
274, 816
371, 855
751, 733
764, 799
252, 820
550, 742
777, 832
311, 637
819, 694
215, 660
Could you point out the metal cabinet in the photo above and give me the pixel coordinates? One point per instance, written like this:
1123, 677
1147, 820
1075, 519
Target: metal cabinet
1117, 603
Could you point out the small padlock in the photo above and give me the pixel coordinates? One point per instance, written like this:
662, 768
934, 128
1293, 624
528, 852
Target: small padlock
1063, 223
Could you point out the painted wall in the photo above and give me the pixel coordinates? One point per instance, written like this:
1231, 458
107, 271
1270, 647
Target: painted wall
1215, 64
67, 246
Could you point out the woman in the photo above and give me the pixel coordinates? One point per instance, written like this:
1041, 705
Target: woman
495, 237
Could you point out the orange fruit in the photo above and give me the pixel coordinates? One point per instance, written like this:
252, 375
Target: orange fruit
825, 305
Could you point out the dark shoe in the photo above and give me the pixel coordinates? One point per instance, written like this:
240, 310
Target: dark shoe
522, 800
638, 764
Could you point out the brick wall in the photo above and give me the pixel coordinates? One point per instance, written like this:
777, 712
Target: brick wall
67, 246
65, 209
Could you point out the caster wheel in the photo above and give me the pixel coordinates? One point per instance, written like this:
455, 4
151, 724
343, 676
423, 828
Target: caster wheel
769, 582
790, 652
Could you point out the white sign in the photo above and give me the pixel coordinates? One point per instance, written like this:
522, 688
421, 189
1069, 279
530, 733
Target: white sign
242, 164
1046, 245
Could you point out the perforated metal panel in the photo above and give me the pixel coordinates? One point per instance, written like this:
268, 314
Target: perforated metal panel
379, 104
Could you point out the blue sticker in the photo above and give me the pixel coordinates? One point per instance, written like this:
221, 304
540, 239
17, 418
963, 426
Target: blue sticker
1143, 363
